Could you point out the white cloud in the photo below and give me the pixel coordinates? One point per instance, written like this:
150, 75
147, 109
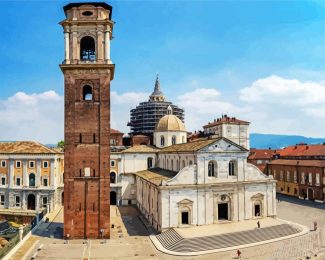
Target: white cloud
272, 105
290, 92
121, 105
36, 117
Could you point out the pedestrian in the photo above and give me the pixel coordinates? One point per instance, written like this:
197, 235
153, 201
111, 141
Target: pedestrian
238, 254
315, 225
258, 224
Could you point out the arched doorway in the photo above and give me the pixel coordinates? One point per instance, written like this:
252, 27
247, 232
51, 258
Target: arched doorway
31, 202
113, 197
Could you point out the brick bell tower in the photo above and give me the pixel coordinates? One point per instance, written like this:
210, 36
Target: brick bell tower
88, 71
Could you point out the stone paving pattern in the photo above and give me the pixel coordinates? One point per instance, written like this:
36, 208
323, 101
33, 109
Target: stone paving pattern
135, 243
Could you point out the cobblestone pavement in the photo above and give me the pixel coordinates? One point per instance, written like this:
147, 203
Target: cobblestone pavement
135, 244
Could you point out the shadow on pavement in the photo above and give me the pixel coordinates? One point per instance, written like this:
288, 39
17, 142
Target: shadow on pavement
308, 203
133, 222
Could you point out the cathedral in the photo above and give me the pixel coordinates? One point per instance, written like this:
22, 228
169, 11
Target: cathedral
176, 183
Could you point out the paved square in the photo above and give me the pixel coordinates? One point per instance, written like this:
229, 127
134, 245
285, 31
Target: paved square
130, 239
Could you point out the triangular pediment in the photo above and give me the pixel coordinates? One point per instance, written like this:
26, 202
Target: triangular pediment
223, 145
185, 202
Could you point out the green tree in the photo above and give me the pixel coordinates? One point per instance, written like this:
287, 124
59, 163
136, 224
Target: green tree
61, 144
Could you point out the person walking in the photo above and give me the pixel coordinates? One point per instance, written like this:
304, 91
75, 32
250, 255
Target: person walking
315, 225
258, 224
238, 254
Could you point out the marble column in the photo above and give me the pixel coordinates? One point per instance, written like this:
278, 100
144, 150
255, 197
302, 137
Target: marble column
107, 47
67, 47
11, 173
25, 175
38, 173
52, 173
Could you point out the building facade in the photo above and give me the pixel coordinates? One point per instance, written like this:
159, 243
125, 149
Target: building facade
87, 70
197, 183
31, 177
231, 128
299, 171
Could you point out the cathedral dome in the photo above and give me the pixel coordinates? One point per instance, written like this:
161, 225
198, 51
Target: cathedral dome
170, 123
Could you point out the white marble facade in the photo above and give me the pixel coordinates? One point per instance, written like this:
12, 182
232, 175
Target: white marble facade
198, 196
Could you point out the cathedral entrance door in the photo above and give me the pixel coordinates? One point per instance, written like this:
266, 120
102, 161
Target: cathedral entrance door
257, 210
185, 216
223, 211
113, 197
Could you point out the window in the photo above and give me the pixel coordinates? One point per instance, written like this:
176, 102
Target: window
183, 139
310, 179
270, 171
44, 202
3, 180
162, 140
3, 164
317, 179
172, 164
281, 175
288, 176
17, 181
212, 169
17, 200
45, 182
45, 164
232, 168
32, 180
112, 177
149, 162
2, 200
31, 164
87, 93
191, 162
18, 164
87, 48
295, 177
174, 139
112, 163
183, 164
302, 178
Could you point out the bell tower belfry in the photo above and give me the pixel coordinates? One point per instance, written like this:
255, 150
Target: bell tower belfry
88, 71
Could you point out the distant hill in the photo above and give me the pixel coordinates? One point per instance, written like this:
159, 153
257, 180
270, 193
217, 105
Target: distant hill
279, 141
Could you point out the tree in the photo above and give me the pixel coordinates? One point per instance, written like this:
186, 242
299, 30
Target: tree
61, 144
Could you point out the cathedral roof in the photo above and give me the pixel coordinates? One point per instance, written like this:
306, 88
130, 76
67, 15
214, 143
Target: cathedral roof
141, 149
156, 175
197, 145
170, 123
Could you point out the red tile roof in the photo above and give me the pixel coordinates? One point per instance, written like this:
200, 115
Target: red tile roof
261, 154
303, 150
25, 147
315, 163
226, 120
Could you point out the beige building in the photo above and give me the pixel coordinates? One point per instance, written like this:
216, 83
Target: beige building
31, 178
231, 128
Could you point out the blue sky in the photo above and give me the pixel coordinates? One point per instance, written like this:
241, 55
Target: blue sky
212, 49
